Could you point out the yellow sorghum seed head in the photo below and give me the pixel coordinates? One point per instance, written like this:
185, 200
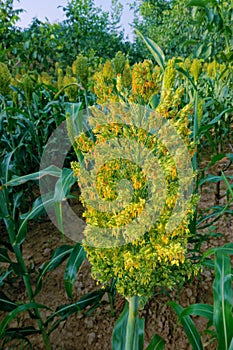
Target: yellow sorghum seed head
80, 68
195, 69
157, 258
5, 79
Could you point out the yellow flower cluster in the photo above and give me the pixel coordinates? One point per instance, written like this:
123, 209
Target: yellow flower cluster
5, 79
80, 68
104, 84
195, 69
157, 257
71, 91
146, 81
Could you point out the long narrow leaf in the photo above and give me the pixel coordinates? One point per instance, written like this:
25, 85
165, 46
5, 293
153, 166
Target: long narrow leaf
203, 310
8, 318
52, 170
216, 119
154, 49
37, 209
89, 299
4, 257
187, 75
189, 327
140, 332
226, 249
223, 298
156, 343
6, 304
57, 258
20, 333
119, 331
75, 260
229, 187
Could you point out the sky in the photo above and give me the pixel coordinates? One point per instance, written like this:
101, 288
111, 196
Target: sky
49, 9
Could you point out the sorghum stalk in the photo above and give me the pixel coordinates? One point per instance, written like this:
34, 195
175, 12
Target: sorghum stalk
27, 283
131, 331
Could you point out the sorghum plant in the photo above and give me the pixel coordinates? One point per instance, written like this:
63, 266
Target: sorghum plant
138, 257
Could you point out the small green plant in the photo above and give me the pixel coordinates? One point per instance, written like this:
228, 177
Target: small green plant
16, 227
219, 315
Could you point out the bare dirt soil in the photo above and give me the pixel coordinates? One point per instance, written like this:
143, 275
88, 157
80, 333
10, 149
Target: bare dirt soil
94, 332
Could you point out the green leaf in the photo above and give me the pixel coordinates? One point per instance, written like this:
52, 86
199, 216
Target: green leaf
187, 75
156, 343
210, 178
52, 170
4, 257
215, 159
216, 119
199, 3
37, 209
226, 249
223, 297
189, 327
64, 184
65, 311
62, 188
74, 120
119, 331
154, 49
59, 255
203, 310
21, 333
229, 187
5, 275
8, 318
6, 304
231, 345
140, 332
230, 156
75, 260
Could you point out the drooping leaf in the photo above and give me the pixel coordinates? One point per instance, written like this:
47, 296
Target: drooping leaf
210, 178
52, 170
59, 255
4, 257
156, 343
216, 119
203, 310
154, 49
62, 189
140, 331
75, 260
199, 3
231, 345
89, 299
223, 299
36, 210
226, 249
229, 187
119, 331
21, 333
187, 75
5, 275
64, 184
189, 327
6, 304
11, 315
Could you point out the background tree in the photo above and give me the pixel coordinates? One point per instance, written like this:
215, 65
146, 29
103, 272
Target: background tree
9, 33
200, 28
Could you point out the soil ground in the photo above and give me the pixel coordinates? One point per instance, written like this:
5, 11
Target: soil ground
94, 332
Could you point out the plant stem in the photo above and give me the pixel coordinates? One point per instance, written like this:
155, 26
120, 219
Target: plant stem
131, 333
26, 279
27, 283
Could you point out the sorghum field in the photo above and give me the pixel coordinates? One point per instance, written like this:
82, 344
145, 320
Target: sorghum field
116, 178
